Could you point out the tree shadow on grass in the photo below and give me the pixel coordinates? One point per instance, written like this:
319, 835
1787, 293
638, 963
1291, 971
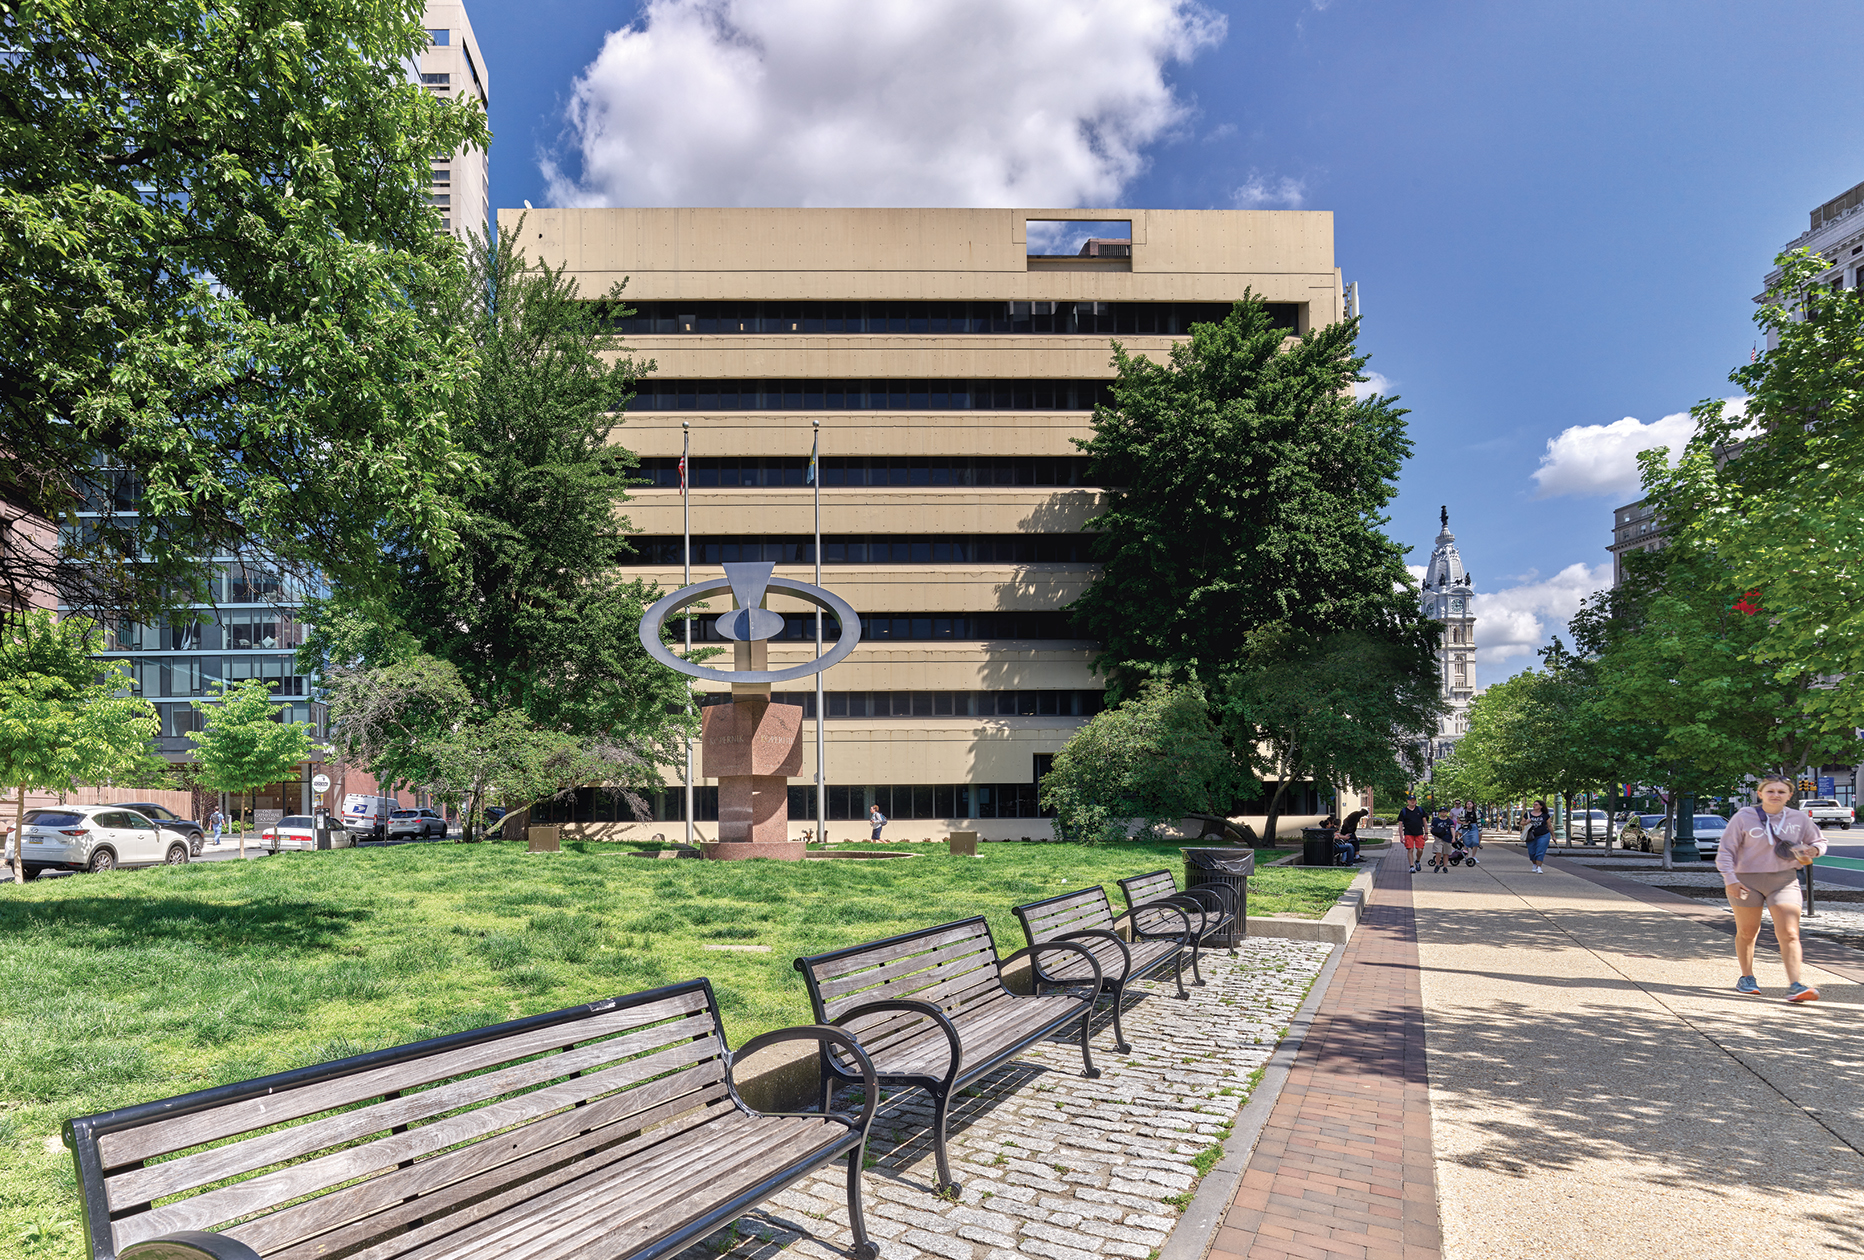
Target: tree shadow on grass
232, 927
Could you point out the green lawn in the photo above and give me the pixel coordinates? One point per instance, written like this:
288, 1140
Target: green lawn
135, 985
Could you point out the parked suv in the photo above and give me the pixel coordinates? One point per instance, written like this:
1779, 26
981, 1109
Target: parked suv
168, 820
95, 838
419, 824
1826, 813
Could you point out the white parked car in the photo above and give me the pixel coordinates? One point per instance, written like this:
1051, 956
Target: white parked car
419, 824
95, 838
294, 831
1829, 813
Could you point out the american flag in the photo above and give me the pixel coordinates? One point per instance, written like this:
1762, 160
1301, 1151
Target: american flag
682, 474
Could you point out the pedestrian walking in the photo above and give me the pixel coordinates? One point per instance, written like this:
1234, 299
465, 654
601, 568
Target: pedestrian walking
1443, 831
1759, 856
1472, 833
218, 821
877, 819
1537, 834
1412, 824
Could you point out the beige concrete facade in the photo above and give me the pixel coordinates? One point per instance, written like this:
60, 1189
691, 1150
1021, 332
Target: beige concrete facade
452, 66
914, 256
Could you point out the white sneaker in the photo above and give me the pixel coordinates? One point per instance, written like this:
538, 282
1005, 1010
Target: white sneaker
1537, 870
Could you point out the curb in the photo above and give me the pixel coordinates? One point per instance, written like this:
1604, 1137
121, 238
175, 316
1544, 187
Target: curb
1192, 1235
1335, 927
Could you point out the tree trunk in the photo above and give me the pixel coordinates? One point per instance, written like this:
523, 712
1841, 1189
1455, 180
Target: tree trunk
19, 837
1608, 828
1566, 802
241, 819
1274, 813
1669, 809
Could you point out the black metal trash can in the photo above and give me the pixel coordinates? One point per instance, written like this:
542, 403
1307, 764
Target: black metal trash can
1316, 847
1228, 872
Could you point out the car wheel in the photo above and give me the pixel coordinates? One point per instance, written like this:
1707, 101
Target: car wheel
177, 855
195, 842
1844, 826
101, 860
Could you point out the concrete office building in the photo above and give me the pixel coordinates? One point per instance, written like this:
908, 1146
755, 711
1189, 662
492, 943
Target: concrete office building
951, 369
452, 66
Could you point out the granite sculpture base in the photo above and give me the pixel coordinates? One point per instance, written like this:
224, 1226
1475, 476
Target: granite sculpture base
752, 747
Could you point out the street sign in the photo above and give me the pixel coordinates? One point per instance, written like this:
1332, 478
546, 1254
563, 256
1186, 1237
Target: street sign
320, 783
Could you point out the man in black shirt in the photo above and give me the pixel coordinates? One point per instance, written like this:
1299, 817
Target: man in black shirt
1413, 822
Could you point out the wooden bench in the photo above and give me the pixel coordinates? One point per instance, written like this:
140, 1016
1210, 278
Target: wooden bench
1085, 917
930, 1008
607, 1130
1210, 912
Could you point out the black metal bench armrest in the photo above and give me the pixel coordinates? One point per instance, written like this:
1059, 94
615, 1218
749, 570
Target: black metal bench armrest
1082, 950
1218, 903
930, 1011
1096, 934
189, 1244
810, 1032
1170, 905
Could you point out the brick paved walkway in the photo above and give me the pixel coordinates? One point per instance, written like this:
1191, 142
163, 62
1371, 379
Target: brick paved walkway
1344, 1168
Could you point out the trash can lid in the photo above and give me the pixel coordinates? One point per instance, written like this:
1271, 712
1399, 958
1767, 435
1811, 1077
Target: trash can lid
1229, 861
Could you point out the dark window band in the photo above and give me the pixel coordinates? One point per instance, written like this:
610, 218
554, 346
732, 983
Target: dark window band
891, 704
799, 627
654, 394
666, 549
1099, 319
877, 470
900, 802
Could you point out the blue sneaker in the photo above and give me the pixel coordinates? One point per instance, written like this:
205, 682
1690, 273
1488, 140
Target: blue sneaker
1748, 985
1801, 993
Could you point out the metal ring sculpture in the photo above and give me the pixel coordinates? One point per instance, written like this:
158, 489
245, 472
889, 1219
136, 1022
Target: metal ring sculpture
657, 615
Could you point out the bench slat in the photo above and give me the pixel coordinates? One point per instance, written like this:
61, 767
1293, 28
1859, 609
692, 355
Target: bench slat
887, 951
144, 1185
228, 1203
980, 957
431, 1187
488, 1215
162, 1137
640, 1201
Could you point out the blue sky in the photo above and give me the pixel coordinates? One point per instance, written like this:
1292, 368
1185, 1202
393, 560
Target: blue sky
1557, 212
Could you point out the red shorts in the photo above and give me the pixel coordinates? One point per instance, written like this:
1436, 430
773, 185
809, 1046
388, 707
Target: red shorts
1414, 842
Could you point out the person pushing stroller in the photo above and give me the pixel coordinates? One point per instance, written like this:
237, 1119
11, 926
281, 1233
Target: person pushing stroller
1443, 831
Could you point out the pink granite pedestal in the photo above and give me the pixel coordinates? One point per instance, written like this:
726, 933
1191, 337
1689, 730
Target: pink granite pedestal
752, 747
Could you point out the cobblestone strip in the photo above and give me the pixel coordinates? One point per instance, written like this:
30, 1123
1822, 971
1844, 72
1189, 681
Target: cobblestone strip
1053, 1165
1344, 1168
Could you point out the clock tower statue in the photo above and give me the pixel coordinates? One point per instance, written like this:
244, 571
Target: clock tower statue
1449, 599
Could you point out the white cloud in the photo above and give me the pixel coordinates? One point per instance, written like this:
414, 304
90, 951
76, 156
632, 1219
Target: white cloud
1600, 459
1268, 192
878, 102
1375, 383
1512, 623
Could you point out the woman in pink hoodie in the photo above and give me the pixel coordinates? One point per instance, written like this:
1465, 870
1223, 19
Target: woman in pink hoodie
1761, 851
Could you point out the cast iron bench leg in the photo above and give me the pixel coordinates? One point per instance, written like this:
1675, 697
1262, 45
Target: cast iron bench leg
941, 1111
1120, 1044
864, 1249
1177, 975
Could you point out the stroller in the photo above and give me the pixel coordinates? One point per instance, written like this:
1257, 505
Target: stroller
1459, 852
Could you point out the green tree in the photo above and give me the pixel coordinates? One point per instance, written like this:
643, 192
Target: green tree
1685, 653
1154, 758
1332, 708
534, 617
219, 275
244, 744
1243, 547
64, 718
1770, 492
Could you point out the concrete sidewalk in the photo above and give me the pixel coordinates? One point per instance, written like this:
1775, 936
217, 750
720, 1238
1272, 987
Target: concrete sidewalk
1597, 1089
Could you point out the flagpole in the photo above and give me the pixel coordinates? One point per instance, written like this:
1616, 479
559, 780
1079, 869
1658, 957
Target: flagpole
686, 531
821, 711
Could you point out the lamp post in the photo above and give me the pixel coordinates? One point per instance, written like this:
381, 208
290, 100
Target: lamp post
1683, 845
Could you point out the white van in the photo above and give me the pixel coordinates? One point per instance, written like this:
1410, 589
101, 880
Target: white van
368, 814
